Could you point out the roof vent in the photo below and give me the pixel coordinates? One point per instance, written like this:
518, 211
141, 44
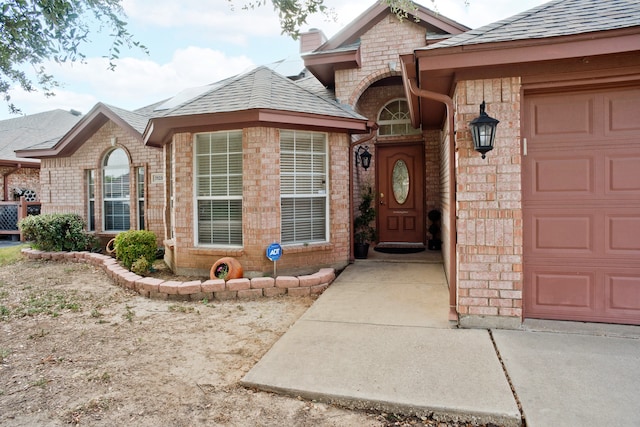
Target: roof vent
75, 112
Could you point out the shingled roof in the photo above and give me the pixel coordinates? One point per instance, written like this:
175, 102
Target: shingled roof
26, 131
554, 19
260, 88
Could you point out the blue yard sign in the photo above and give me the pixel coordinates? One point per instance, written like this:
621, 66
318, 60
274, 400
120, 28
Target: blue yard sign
274, 252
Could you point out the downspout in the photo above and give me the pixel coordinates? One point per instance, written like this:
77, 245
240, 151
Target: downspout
445, 99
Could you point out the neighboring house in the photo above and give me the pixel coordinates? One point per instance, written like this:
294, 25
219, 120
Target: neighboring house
546, 226
23, 174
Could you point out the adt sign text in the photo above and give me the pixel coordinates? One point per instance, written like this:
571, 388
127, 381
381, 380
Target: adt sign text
274, 252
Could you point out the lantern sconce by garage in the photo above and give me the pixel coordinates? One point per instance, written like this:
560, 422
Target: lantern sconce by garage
483, 131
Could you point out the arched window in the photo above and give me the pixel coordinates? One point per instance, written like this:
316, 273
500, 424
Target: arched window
116, 191
394, 119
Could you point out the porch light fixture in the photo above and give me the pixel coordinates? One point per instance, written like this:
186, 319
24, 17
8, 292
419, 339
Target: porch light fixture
363, 157
483, 131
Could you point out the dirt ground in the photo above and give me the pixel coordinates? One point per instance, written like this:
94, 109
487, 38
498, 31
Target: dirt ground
77, 350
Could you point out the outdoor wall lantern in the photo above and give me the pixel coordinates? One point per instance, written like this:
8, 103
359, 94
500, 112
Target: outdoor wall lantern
363, 157
483, 131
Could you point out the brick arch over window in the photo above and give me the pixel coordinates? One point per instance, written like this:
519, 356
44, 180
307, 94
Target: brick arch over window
368, 81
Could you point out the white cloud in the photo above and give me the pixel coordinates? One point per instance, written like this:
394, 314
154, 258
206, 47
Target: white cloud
214, 19
135, 82
35, 102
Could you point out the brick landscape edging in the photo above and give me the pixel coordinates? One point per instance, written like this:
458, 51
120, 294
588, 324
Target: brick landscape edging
196, 290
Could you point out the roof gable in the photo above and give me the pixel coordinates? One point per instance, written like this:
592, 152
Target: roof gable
342, 51
132, 122
432, 21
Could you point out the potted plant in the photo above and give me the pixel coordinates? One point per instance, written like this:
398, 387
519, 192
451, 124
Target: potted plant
364, 233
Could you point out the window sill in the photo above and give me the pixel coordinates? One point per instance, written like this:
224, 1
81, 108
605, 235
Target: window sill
311, 247
232, 252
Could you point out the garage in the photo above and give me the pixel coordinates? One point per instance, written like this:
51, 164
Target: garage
581, 204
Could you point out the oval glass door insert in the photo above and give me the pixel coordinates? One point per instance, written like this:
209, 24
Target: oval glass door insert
400, 179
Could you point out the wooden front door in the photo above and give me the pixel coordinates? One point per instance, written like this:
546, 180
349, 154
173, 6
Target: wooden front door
400, 184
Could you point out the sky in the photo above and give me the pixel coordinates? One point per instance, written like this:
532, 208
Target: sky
194, 42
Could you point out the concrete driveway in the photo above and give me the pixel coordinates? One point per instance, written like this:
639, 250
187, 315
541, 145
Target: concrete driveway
379, 338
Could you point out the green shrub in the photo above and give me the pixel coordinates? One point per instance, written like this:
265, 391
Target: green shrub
133, 244
57, 232
141, 266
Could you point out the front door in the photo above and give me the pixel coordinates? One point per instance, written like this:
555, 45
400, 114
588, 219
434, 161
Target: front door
400, 183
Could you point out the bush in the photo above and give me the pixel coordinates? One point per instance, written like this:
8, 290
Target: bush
141, 266
133, 244
57, 232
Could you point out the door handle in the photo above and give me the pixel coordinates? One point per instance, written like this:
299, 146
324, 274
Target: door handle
382, 198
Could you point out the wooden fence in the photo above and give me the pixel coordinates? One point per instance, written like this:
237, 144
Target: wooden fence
12, 212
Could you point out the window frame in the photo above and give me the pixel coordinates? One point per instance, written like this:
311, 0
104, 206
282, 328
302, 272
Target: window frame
295, 195
141, 183
404, 122
231, 199
90, 176
126, 200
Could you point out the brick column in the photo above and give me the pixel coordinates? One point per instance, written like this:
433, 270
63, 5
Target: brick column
489, 208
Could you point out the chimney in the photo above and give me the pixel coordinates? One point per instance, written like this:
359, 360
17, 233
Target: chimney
311, 40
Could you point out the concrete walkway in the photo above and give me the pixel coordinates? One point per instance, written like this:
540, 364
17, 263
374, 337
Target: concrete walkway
379, 338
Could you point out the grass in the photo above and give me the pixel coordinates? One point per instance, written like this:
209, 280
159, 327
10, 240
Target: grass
129, 314
51, 303
11, 254
182, 309
4, 353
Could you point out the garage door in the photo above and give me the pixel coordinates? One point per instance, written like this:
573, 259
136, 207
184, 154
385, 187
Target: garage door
581, 195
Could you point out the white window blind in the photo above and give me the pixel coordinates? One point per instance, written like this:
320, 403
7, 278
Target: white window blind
116, 191
303, 187
218, 187
91, 200
140, 189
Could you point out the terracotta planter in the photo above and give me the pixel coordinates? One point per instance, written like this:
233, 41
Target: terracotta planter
226, 268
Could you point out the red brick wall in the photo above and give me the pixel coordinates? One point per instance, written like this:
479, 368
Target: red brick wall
489, 203
261, 210
379, 47
63, 180
24, 178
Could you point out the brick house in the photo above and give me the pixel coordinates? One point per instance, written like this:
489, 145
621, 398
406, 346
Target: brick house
548, 225
20, 132
227, 169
